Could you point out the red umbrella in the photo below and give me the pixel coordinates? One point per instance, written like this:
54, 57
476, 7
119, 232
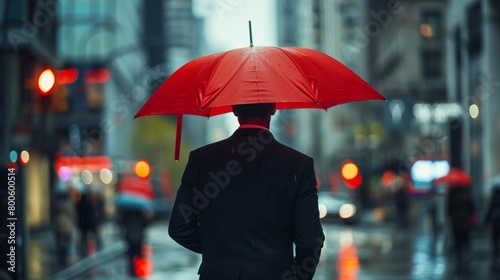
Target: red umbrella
455, 177
290, 77
135, 186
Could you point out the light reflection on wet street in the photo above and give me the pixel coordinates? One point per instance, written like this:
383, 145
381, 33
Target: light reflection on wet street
362, 251
388, 252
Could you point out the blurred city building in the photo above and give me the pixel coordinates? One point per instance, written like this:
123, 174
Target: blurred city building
408, 66
345, 132
107, 58
435, 63
158, 37
408, 62
28, 47
29, 36
474, 83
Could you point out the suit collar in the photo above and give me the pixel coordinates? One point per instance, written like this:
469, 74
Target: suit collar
242, 126
253, 132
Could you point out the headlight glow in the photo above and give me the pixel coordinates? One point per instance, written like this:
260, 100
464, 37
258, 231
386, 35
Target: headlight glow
322, 211
347, 211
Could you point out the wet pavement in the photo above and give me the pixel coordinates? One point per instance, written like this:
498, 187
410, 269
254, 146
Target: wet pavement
42, 258
367, 250
393, 253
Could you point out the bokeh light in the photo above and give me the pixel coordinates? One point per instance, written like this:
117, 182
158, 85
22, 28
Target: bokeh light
322, 211
64, 173
106, 176
142, 169
387, 179
426, 30
87, 177
347, 211
46, 81
349, 171
474, 111
25, 157
13, 156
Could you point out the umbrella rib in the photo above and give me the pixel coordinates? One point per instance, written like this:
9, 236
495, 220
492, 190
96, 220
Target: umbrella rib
355, 79
219, 61
367, 88
282, 75
297, 67
212, 73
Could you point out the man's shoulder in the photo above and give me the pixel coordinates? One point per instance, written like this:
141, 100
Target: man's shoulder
210, 148
290, 152
275, 148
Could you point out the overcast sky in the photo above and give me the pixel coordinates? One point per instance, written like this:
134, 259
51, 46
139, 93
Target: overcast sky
226, 28
227, 22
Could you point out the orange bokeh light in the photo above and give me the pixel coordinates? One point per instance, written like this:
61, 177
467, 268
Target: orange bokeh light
351, 175
426, 30
142, 169
387, 179
349, 170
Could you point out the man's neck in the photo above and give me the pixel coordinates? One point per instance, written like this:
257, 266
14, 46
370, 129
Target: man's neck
254, 126
261, 123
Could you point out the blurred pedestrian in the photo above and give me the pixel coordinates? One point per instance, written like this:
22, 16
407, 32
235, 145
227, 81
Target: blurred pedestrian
135, 222
435, 209
402, 205
134, 202
493, 218
63, 223
245, 201
88, 217
461, 214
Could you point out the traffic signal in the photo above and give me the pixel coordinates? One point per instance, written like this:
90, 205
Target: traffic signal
59, 102
45, 82
350, 175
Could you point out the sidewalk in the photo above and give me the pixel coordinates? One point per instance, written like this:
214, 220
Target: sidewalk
42, 256
170, 261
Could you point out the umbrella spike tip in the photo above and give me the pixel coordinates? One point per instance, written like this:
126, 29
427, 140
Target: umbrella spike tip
250, 32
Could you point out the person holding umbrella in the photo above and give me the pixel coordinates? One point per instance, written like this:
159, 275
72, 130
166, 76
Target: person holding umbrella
460, 210
245, 201
134, 202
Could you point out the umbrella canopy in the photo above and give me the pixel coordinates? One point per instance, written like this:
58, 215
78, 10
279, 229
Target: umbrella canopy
134, 186
130, 201
455, 177
135, 193
290, 77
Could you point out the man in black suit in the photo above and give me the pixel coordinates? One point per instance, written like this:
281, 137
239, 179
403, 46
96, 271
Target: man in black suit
245, 201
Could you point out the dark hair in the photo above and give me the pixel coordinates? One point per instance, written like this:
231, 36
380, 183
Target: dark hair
254, 111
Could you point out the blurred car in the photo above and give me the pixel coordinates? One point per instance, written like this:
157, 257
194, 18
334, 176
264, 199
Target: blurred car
337, 206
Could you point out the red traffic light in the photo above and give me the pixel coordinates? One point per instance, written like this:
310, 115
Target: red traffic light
46, 81
350, 175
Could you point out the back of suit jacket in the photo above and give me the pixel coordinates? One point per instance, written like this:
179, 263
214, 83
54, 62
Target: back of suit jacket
243, 203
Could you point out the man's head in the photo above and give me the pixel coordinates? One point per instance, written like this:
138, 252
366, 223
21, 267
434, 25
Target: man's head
254, 113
